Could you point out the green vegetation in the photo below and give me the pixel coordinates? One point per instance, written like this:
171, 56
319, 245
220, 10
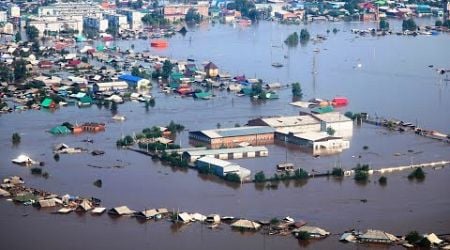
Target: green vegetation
20, 70
45, 175
136, 71
292, 40
246, 7
438, 23
382, 180
233, 177
192, 16
413, 237
15, 138
175, 127
32, 32
126, 141
260, 177
98, 183
338, 172
361, 173
297, 90
157, 146
446, 23
18, 37
418, 174
409, 24
335, 30
365, 147
56, 157
174, 159
152, 132
154, 19
166, 69
36, 171
303, 235
331, 131
300, 174
384, 24
304, 36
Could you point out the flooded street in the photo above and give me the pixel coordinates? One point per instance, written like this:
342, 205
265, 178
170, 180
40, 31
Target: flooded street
393, 82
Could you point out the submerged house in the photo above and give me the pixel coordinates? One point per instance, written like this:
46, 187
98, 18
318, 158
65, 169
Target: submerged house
134, 81
246, 224
120, 211
60, 130
211, 70
48, 103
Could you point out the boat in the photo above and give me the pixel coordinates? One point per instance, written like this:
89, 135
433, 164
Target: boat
159, 43
339, 101
277, 65
119, 118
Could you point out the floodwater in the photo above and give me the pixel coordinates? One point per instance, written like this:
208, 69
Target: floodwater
394, 81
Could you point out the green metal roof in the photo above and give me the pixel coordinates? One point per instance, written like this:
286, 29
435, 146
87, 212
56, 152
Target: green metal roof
46, 102
322, 110
60, 130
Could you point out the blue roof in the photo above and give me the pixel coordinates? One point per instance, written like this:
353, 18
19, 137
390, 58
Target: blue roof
130, 78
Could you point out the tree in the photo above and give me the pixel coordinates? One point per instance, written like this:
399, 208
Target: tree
331, 131
438, 23
260, 177
166, 69
413, 237
292, 40
15, 138
137, 4
297, 90
384, 24
304, 36
303, 235
338, 172
32, 32
418, 174
192, 16
20, 70
409, 24
18, 37
382, 180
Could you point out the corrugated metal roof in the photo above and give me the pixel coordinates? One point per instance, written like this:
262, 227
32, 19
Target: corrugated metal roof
240, 131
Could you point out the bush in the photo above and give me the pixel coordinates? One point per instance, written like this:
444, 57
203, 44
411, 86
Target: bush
36, 171
303, 235
300, 174
338, 172
15, 138
413, 237
438, 23
382, 180
233, 177
418, 174
260, 177
365, 147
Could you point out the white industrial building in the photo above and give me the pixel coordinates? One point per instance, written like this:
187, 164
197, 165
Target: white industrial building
318, 143
226, 153
222, 168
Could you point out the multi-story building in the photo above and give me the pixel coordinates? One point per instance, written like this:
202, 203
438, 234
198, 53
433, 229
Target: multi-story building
70, 9
3, 16
117, 21
14, 11
134, 18
54, 24
97, 23
174, 12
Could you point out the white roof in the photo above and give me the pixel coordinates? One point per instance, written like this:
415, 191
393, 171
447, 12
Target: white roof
123, 210
98, 210
290, 121
22, 159
313, 136
216, 162
185, 217
301, 104
332, 117
378, 235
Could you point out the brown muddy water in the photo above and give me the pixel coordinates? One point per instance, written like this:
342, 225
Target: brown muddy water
395, 82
